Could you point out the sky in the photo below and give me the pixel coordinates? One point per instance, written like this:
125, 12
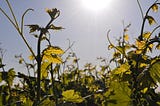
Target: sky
85, 27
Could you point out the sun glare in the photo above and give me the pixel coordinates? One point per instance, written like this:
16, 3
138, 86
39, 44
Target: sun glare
96, 5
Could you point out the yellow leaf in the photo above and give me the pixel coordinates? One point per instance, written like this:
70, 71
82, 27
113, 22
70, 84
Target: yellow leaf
110, 47
155, 8
144, 90
53, 50
140, 44
151, 20
146, 35
126, 37
138, 51
150, 47
44, 72
143, 65
31, 57
52, 59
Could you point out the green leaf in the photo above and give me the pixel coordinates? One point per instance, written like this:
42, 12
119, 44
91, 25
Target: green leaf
122, 69
72, 96
154, 71
121, 94
155, 8
11, 76
47, 102
151, 20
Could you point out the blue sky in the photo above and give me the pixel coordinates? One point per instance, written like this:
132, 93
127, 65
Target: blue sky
84, 27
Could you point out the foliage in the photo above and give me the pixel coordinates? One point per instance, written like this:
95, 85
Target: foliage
58, 80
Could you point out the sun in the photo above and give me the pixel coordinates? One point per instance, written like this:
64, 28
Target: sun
96, 5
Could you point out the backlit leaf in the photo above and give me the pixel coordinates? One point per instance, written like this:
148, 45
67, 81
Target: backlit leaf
143, 65
44, 72
154, 71
150, 47
140, 44
126, 37
139, 51
155, 8
146, 35
31, 57
121, 94
53, 50
123, 68
10, 76
144, 90
52, 59
151, 20
72, 96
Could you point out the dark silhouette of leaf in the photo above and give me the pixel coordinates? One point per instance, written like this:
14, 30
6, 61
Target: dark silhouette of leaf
33, 28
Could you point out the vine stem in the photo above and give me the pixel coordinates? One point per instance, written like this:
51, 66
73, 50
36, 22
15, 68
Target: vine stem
39, 60
144, 20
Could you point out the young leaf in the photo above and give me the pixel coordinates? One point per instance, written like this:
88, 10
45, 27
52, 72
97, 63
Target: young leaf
126, 37
55, 27
151, 20
144, 90
110, 47
53, 13
146, 35
155, 8
33, 28
140, 44
31, 57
